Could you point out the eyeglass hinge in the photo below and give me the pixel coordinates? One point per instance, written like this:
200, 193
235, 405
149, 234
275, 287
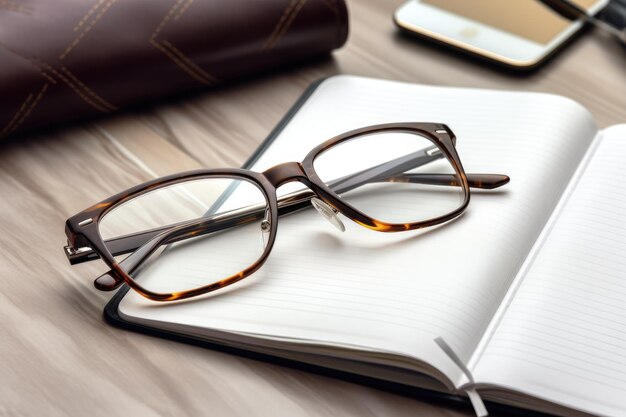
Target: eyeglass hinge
434, 151
80, 255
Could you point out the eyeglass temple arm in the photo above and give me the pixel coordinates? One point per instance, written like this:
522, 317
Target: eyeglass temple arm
383, 172
572, 11
481, 181
386, 172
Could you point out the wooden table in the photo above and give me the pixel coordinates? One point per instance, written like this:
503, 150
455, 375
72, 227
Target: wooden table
57, 355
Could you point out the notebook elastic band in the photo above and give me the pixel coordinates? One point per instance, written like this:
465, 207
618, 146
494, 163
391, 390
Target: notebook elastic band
474, 397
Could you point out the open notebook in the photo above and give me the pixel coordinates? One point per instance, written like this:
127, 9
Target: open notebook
528, 287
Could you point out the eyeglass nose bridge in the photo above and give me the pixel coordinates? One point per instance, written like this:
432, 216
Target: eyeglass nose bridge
284, 173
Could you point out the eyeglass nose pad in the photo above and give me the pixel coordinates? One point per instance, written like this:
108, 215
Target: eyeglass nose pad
328, 213
108, 281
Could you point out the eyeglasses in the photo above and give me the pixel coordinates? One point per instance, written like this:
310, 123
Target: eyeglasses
387, 178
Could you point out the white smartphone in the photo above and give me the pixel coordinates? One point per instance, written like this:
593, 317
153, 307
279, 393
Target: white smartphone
517, 33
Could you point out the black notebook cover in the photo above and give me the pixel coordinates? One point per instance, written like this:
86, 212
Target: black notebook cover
111, 315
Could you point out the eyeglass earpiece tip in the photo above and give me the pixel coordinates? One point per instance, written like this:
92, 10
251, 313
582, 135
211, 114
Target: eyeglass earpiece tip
107, 282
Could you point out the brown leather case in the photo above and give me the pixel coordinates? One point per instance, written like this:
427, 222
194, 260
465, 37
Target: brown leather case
62, 60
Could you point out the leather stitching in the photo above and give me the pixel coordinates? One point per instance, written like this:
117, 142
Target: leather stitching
288, 23
88, 15
14, 7
183, 10
31, 62
278, 25
45, 74
87, 29
180, 64
38, 62
42, 66
175, 54
80, 93
17, 114
30, 109
210, 79
88, 90
165, 20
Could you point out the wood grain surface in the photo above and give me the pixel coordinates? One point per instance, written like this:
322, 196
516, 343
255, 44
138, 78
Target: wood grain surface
58, 357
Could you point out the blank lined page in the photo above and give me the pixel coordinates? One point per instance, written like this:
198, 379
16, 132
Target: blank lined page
563, 337
395, 293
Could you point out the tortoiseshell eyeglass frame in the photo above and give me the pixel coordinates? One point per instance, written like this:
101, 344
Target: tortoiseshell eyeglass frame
85, 242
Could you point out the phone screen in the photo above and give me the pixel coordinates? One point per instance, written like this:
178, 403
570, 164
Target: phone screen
528, 19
